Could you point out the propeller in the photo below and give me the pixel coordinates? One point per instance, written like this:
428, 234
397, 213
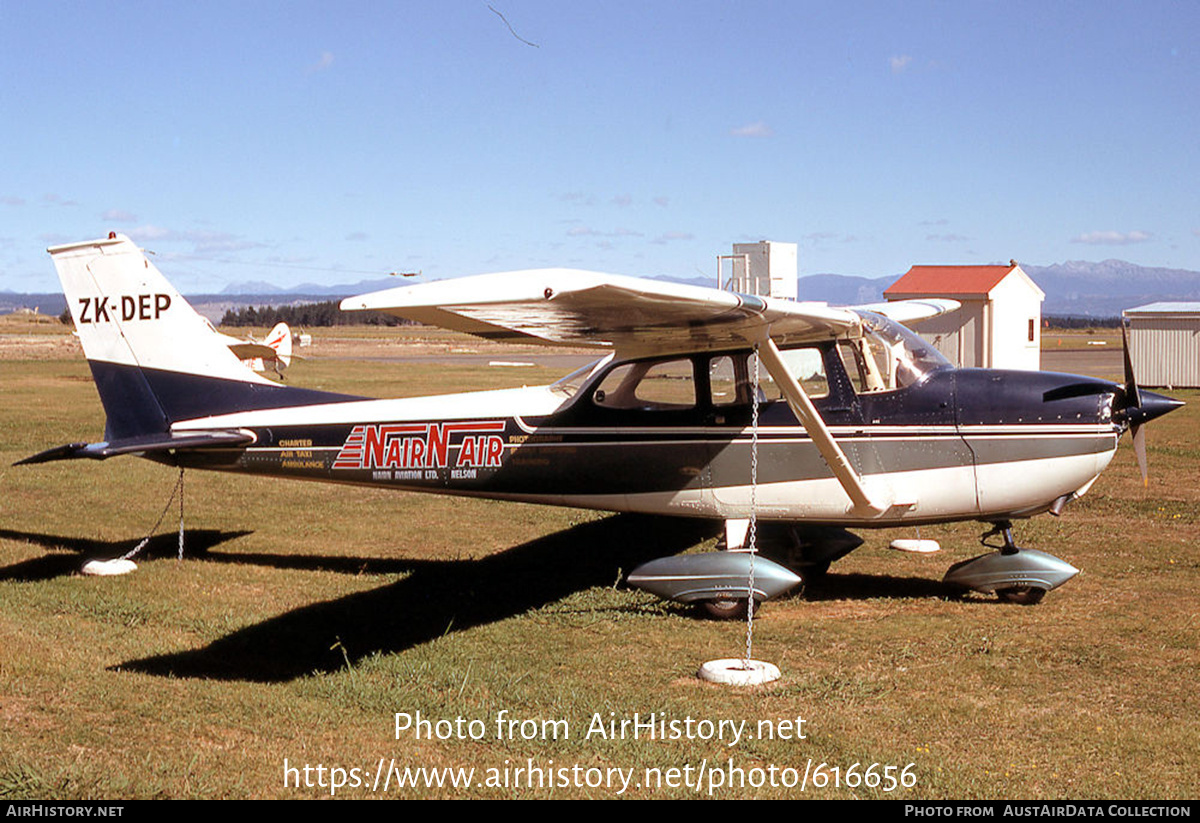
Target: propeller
1140, 407
1133, 400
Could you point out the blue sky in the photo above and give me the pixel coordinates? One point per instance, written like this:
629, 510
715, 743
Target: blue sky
321, 142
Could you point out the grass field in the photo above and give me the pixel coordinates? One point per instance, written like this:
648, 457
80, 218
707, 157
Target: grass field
305, 617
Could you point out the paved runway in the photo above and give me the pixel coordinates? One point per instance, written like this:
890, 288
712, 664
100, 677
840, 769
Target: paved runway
1101, 361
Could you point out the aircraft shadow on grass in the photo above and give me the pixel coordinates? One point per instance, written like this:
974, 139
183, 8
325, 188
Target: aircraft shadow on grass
62, 563
436, 596
875, 586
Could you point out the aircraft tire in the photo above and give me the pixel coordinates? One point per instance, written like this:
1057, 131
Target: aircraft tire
1022, 595
725, 608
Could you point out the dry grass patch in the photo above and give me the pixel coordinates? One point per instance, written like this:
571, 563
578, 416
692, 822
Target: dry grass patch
304, 616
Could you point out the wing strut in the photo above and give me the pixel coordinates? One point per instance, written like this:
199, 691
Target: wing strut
810, 418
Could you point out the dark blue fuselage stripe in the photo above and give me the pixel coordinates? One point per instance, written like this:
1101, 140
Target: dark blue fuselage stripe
138, 398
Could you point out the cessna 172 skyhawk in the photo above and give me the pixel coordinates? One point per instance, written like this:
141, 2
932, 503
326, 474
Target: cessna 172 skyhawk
859, 424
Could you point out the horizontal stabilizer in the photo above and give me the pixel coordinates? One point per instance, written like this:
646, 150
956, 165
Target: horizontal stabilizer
911, 311
248, 349
140, 445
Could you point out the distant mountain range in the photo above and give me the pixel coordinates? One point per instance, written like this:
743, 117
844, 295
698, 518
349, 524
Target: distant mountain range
1105, 289
1075, 288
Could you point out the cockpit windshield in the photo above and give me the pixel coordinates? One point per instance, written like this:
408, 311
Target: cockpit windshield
889, 356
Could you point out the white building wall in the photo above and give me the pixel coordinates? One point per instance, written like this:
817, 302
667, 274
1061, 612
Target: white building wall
1016, 333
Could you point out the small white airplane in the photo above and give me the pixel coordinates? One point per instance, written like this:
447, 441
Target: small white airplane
275, 348
707, 404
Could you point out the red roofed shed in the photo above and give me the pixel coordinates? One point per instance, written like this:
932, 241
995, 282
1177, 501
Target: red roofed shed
999, 324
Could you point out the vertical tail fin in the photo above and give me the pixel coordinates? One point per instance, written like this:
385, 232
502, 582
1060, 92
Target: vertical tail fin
154, 358
280, 339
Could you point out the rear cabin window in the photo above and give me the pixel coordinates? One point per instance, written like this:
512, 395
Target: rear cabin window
663, 385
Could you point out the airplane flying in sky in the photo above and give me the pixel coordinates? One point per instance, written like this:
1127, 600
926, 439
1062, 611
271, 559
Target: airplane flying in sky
704, 403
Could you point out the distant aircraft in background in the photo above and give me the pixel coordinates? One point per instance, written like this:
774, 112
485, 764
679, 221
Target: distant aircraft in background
275, 348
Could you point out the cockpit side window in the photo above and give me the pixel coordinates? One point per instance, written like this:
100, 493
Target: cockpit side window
732, 375
863, 366
807, 365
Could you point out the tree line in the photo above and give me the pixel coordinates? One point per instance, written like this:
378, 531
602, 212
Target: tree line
1055, 321
308, 314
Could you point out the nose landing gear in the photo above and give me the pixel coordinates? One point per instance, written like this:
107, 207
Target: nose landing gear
1016, 575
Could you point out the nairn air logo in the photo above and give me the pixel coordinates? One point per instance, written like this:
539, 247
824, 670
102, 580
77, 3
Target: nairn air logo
422, 446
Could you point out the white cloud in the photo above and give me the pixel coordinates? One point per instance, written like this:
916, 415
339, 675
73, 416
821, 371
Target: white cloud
585, 231
578, 197
671, 236
900, 63
1112, 238
212, 242
151, 233
756, 129
203, 242
118, 216
325, 61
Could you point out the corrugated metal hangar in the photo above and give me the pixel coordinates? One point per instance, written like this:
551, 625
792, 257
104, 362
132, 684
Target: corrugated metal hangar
1164, 344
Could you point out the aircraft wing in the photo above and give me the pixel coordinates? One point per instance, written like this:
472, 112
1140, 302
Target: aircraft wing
567, 307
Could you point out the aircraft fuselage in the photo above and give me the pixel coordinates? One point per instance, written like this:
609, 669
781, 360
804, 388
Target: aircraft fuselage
959, 444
